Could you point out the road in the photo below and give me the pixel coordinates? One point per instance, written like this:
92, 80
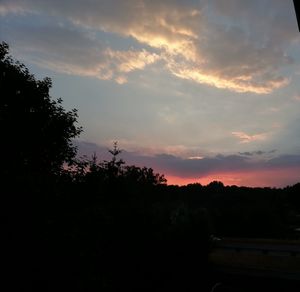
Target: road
257, 259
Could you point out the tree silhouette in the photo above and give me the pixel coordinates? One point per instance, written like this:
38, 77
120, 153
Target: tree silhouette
114, 166
36, 131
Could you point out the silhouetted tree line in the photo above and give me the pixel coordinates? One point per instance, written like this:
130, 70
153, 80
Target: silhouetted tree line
86, 224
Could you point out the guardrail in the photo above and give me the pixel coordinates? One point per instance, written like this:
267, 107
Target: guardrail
291, 248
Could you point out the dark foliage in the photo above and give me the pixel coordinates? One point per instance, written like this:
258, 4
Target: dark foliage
36, 131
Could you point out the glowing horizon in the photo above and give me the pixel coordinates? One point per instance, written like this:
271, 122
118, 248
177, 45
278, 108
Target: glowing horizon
247, 179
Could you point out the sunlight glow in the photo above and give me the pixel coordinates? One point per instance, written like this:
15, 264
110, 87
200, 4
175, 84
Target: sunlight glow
245, 138
261, 178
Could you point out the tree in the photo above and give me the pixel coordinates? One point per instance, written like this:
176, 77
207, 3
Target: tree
36, 131
115, 169
114, 166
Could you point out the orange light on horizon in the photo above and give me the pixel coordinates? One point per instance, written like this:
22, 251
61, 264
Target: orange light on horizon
259, 178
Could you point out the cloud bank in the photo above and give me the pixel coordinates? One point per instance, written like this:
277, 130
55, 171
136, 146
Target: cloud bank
198, 41
276, 170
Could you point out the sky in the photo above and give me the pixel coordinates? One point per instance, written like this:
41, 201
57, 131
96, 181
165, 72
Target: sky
198, 90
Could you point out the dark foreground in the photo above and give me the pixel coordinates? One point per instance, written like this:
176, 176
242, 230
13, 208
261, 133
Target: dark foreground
238, 283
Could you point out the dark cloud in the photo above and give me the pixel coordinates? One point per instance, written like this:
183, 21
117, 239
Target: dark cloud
201, 167
258, 152
272, 151
185, 168
247, 153
284, 161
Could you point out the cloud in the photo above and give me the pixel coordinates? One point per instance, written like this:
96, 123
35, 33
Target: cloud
258, 152
67, 50
127, 61
121, 79
195, 157
272, 22
226, 58
238, 83
284, 161
171, 164
296, 97
11, 7
206, 166
246, 138
200, 167
247, 153
199, 41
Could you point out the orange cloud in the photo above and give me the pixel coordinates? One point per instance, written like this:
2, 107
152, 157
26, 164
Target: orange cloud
121, 79
127, 61
246, 138
237, 83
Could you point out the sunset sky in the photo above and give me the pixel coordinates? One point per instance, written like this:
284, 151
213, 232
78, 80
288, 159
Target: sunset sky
198, 90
